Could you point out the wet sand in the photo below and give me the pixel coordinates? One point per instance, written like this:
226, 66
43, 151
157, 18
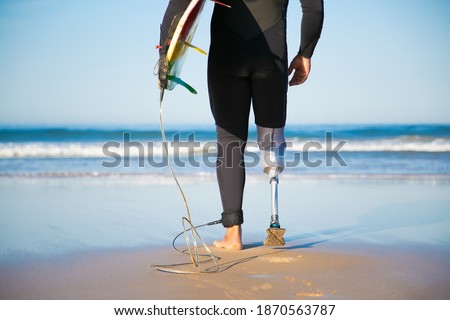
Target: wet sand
360, 239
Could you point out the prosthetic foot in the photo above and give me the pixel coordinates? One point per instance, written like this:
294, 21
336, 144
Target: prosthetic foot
275, 233
272, 144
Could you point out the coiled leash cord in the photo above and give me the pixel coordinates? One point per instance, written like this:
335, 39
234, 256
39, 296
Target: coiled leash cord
192, 248
170, 268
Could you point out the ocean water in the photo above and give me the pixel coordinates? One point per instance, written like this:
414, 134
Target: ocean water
120, 194
311, 149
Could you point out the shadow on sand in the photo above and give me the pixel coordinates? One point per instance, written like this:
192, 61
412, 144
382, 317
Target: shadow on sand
384, 218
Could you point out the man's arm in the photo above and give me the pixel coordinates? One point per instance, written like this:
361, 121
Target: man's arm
302, 67
174, 8
311, 28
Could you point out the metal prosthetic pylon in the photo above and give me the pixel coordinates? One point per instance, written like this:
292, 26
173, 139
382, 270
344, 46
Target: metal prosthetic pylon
274, 233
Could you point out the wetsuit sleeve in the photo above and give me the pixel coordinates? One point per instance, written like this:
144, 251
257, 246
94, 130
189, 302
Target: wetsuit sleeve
311, 27
174, 8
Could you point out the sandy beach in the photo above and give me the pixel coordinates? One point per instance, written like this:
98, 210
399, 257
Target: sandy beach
346, 238
256, 273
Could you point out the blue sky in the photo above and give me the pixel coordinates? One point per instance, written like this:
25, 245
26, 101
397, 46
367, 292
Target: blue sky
91, 63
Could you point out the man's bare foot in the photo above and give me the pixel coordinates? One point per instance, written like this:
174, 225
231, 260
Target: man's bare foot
232, 239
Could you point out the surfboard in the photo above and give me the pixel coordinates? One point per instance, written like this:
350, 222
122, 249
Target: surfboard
181, 42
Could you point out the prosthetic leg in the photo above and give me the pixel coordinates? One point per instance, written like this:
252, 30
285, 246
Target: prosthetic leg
271, 143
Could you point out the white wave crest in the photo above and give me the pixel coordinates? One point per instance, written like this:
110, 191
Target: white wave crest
378, 145
99, 150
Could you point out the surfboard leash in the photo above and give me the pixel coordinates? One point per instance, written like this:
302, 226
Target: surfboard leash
188, 227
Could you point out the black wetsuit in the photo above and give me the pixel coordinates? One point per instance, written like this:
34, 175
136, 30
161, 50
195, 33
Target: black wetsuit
247, 66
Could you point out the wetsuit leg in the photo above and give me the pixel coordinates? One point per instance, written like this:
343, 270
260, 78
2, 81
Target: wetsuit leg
270, 79
230, 176
242, 72
230, 104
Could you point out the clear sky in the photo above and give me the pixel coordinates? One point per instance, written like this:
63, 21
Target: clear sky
91, 63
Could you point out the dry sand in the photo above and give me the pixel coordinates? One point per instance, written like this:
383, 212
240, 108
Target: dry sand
295, 271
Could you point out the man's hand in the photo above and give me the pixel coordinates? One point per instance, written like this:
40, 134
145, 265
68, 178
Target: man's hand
162, 70
302, 67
